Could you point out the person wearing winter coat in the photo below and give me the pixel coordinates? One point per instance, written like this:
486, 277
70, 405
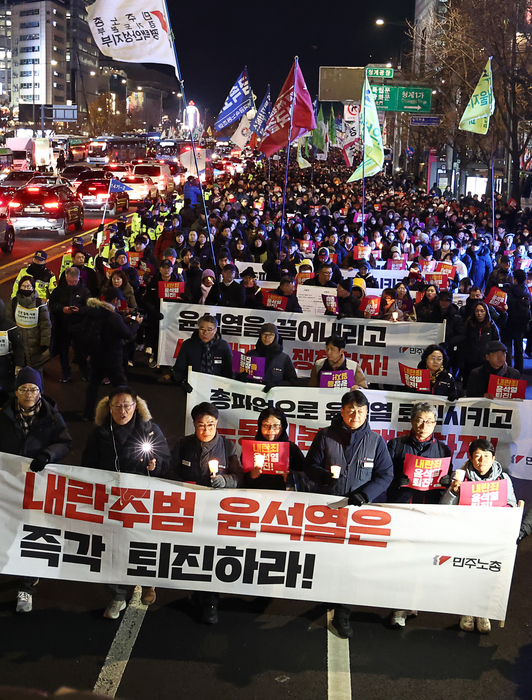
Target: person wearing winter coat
278, 369
481, 466
152, 304
495, 363
442, 383
32, 316
479, 331
205, 352
45, 280
480, 269
228, 292
119, 280
389, 309
336, 361
446, 311
124, 427
31, 426
513, 333
363, 468
254, 299
286, 289
11, 351
121, 261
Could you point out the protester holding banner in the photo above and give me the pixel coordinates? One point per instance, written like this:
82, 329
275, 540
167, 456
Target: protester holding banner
323, 278
336, 361
425, 307
389, 310
286, 289
31, 426
349, 293
446, 311
209, 459
349, 459
204, 351
494, 364
442, 382
272, 427
404, 301
121, 261
279, 369
323, 257
31, 315
126, 440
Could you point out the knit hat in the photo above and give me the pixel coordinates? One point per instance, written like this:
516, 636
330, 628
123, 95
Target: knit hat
208, 273
347, 284
269, 328
493, 346
112, 293
120, 251
28, 375
358, 283
305, 261
170, 253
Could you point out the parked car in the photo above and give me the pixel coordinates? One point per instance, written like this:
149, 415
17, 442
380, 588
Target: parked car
159, 173
18, 178
94, 193
142, 187
54, 208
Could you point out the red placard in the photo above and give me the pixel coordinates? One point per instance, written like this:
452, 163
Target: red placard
377, 253
306, 246
446, 268
505, 388
134, 258
491, 494
334, 257
171, 290
361, 252
419, 297
395, 264
497, 298
414, 378
109, 270
274, 301
438, 279
371, 305
330, 301
276, 454
301, 277
427, 266
523, 263
424, 472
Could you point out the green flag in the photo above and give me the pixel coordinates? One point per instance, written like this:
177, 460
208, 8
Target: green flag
332, 128
318, 135
300, 160
373, 150
476, 116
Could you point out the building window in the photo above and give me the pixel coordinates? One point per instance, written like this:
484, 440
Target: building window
26, 61
59, 39
27, 13
28, 86
29, 37
29, 49
28, 25
59, 51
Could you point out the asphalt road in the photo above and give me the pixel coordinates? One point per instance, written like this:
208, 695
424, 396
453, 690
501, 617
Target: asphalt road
261, 649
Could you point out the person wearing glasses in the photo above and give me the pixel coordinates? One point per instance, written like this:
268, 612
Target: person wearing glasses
420, 442
348, 459
31, 426
127, 441
209, 459
278, 365
442, 383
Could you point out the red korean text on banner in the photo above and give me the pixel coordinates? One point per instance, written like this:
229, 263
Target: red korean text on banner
171, 290
446, 269
484, 493
437, 279
274, 301
134, 258
306, 246
504, 388
361, 252
302, 277
395, 264
253, 366
337, 379
370, 305
427, 266
415, 378
425, 473
330, 301
497, 298
271, 457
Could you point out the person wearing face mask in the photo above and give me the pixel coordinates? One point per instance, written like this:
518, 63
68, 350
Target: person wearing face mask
31, 426
45, 281
443, 248
32, 317
279, 369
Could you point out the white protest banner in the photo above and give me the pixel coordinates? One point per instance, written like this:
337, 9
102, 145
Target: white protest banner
310, 298
384, 278
100, 527
508, 424
378, 346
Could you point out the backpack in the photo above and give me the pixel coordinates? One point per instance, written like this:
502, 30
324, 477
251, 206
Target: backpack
93, 334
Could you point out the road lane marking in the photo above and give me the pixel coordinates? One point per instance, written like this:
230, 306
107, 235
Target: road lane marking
338, 665
122, 646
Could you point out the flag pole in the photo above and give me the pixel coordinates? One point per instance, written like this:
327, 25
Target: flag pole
106, 203
492, 187
364, 157
296, 61
182, 87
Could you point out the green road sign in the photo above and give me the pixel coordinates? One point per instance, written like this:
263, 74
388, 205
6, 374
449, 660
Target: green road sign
393, 98
379, 72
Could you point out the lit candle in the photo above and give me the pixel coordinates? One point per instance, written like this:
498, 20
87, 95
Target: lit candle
213, 466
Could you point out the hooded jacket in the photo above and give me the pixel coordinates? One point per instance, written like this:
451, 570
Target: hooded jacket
11, 347
35, 339
366, 466
495, 473
279, 368
114, 330
191, 352
118, 448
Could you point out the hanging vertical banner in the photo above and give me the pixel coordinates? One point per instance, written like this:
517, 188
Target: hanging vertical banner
243, 133
238, 102
476, 116
258, 125
373, 149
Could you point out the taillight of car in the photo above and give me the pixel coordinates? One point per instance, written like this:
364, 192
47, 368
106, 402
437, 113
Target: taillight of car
33, 189
51, 205
92, 189
14, 205
102, 196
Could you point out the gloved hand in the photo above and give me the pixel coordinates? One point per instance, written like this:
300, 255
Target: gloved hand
39, 462
186, 387
357, 499
218, 482
327, 478
404, 480
445, 481
268, 387
160, 316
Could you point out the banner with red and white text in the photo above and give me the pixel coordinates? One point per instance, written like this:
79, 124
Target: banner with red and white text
96, 526
378, 346
508, 424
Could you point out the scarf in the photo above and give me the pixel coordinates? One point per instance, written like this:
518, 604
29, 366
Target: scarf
215, 449
434, 377
26, 416
207, 359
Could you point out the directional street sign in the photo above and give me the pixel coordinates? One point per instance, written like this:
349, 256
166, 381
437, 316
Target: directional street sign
425, 121
380, 72
409, 151
394, 98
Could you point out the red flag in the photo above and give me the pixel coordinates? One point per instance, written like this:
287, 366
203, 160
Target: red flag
277, 129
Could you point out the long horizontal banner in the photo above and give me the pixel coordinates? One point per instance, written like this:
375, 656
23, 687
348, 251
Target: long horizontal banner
508, 424
378, 346
104, 527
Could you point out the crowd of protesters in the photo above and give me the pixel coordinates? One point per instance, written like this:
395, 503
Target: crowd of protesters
105, 309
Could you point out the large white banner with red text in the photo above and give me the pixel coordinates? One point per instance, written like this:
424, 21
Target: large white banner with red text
378, 346
508, 424
105, 527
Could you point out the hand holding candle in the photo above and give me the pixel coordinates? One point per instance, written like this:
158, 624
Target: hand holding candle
213, 467
335, 471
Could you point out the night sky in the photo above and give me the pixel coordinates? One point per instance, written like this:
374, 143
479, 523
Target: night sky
215, 40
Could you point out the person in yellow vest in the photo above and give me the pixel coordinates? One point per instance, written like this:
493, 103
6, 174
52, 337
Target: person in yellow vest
67, 259
45, 281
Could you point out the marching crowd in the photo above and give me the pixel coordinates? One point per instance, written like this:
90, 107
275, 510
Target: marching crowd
105, 309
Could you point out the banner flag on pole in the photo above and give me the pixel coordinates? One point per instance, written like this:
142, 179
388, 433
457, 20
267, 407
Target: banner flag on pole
243, 133
117, 186
476, 116
113, 23
277, 130
318, 138
332, 128
373, 150
258, 125
302, 162
238, 102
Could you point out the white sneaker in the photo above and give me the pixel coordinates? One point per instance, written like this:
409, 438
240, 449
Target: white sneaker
399, 618
467, 623
24, 602
113, 610
483, 625
148, 351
